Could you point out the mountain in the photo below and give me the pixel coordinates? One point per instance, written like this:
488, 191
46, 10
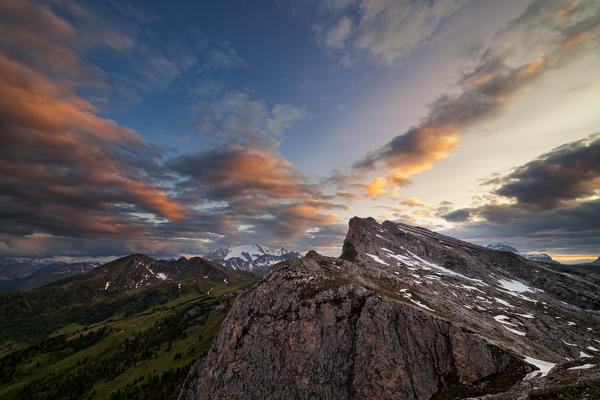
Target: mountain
597, 262
45, 275
406, 313
135, 338
541, 257
250, 257
16, 271
502, 247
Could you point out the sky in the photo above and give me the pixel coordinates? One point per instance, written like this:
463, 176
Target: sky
170, 128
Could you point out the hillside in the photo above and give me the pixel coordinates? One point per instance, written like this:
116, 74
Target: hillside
78, 338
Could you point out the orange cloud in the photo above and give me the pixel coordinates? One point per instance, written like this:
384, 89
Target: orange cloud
291, 217
572, 40
430, 143
479, 80
155, 198
561, 12
485, 91
532, 67
60, 166
376, 187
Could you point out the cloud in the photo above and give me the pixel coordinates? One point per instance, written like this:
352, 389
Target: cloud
389, 29
236, 115
457, 215
574, 229
255, 187
567, 173
385, 30
336, 36
223, 56
376, 187
75, 183
52, 138
282, 117
65, 172
483, 91
548, 204
38, 37
236, 170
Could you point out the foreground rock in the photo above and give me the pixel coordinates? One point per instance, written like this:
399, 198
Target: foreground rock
404, 314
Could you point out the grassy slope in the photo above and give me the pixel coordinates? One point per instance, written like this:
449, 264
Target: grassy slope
141, 355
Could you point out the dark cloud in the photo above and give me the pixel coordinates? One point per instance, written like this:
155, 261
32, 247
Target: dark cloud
75, 183
567, 173
553, 207
256, 187
458, 215
574, 229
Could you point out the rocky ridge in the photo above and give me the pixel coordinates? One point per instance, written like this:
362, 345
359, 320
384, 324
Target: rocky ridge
404, 313
138, 270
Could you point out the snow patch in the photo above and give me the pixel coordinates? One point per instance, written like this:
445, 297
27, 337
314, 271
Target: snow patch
584, 366
529, 316
515, 286
472, 288
503, 302
543, 366
377, 259
516, 332
161, 276
503, 320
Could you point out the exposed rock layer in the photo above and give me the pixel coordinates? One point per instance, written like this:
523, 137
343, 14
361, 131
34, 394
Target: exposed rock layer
403, 314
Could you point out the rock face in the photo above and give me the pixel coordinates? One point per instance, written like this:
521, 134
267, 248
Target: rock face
403, 314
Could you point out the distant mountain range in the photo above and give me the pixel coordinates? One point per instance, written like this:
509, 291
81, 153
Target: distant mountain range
16, 271
250, 257
24, 276
541, 257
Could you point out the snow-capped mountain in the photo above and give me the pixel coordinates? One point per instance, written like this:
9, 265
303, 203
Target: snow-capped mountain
502, 247
540, 257
250, 257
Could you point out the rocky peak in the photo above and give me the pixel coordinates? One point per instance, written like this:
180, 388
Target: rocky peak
403, 313
312, 254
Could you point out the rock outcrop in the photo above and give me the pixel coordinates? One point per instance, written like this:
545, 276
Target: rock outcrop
403, 314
